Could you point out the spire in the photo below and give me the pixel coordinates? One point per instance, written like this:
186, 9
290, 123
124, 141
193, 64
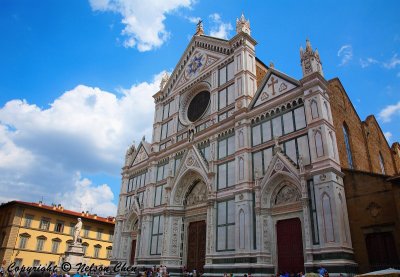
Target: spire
199, 28
310, 60
243, 25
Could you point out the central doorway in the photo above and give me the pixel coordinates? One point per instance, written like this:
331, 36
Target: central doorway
196, 251
290, 246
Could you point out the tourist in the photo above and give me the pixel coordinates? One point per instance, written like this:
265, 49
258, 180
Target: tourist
322, 271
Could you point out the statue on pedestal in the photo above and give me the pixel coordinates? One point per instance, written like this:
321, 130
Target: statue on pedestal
77, 231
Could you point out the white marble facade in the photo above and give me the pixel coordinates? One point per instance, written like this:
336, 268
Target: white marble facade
256, 156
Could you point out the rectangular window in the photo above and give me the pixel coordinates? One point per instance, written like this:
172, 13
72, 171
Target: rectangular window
18, 262
162, 172
54, 247
226, 174
22, 242
109, 252
177, 163
158, 194
86, 230
84, 248
256, 135
36, 263
313, 212
222, 76
71, 229
290, 150
277, 126
99, 233
166, 130
261, 161
300, 118
288, 123
28, 220
96, 251
157, 235
205, 150
226, 73
266, 131
226, 225
44, 224
59, 227
226, 96
226, 147
40, 244
166, 111
137, 181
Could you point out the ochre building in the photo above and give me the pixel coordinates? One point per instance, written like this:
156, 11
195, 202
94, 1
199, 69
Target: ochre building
38, 234
252, 171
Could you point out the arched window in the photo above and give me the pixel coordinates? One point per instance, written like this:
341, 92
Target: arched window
327, 111
381, 163
328, 219
319, 146
347, 144
314, 109
332, 142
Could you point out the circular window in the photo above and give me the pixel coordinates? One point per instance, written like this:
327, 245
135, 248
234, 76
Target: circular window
198, 105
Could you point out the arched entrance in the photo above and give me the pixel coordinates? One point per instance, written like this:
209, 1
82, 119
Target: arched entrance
189, 196
282, 214
131, 228
195, 218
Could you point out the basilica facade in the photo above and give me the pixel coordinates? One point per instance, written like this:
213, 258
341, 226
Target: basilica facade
244, 172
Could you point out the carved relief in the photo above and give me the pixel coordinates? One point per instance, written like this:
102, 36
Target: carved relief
265, 234
198, 195
286, 195
174, 240
282, 87
374, 209
141, 156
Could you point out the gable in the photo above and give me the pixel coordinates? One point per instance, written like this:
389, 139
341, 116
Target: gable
274, 84
198, 63
201, 53
140, 156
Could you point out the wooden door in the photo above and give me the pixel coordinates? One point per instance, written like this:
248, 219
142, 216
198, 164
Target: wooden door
196, 252
133, 249
290, 245
381, 250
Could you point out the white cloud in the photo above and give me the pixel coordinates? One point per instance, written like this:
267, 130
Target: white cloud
345, 53
84, 196
220, 29
143, 20
389, 111
367, 62
393, 62
193, 19
388, 136
84, 130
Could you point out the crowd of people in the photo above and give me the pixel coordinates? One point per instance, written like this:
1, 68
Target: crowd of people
155, 271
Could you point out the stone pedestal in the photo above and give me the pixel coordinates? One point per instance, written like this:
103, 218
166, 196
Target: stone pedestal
74, 255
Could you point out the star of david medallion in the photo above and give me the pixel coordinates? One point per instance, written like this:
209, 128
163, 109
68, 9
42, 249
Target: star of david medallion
195, 64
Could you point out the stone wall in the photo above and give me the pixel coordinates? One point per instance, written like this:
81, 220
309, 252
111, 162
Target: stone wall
366, 137
372, 203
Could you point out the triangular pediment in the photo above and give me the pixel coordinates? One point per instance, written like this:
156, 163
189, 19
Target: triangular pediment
192, 160
141, 154
202, 53
274, 84
280, 164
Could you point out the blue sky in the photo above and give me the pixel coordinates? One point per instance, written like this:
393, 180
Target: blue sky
76, 78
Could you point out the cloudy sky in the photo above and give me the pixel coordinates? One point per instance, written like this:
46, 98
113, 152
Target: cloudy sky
76, 78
